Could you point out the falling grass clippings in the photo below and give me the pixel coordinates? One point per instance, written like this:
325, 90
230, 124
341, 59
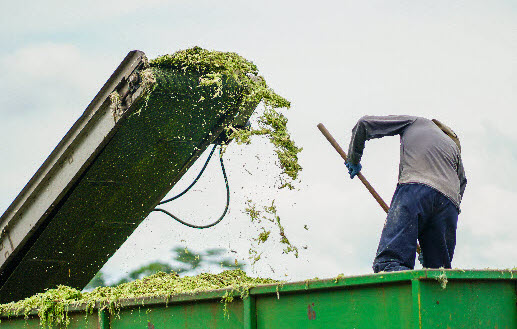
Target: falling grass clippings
263, 236
254, 256
52, 306
289, 248
273, 125
269, 218
251, 211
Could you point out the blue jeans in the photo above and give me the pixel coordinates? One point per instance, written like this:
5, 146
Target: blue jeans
417, 212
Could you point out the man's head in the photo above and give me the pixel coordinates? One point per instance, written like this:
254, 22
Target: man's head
449, 132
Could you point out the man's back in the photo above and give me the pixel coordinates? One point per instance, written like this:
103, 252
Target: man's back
427, 154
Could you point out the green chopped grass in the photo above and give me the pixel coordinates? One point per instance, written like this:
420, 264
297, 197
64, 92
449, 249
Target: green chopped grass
273, 125
52, 305
215, 67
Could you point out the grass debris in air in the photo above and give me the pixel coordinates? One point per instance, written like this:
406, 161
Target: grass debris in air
273, 125
270, 219
52, 306
215, 68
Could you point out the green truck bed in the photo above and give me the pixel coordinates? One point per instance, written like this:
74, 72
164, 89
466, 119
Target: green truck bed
410, 299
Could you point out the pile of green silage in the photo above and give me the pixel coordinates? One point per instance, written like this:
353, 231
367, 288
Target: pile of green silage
52, 305
215, 67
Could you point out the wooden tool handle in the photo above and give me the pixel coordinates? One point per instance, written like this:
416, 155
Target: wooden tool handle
377, 197
341, 152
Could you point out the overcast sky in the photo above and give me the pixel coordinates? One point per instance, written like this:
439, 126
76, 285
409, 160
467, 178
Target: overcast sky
336, 61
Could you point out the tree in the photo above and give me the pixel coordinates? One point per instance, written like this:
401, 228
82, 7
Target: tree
98, 281
150, 269
191, 261
188, 262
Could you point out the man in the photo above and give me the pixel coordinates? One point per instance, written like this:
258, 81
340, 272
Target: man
426, 203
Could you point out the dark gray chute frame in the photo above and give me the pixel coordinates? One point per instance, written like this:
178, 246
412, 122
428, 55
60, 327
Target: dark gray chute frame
106, 175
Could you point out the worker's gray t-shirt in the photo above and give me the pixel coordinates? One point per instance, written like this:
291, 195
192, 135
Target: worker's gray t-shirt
427, 155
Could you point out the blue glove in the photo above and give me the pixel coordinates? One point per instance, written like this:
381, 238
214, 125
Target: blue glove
353, 169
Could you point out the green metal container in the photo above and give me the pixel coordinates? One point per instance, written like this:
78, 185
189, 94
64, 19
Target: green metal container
410, 299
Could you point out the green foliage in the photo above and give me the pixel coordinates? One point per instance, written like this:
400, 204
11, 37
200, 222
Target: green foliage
283, 238
263, 236
215, 67
52, 306
187, 260
269, 216
150, 269
274, 125
191, 261
200, 60
252, 211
